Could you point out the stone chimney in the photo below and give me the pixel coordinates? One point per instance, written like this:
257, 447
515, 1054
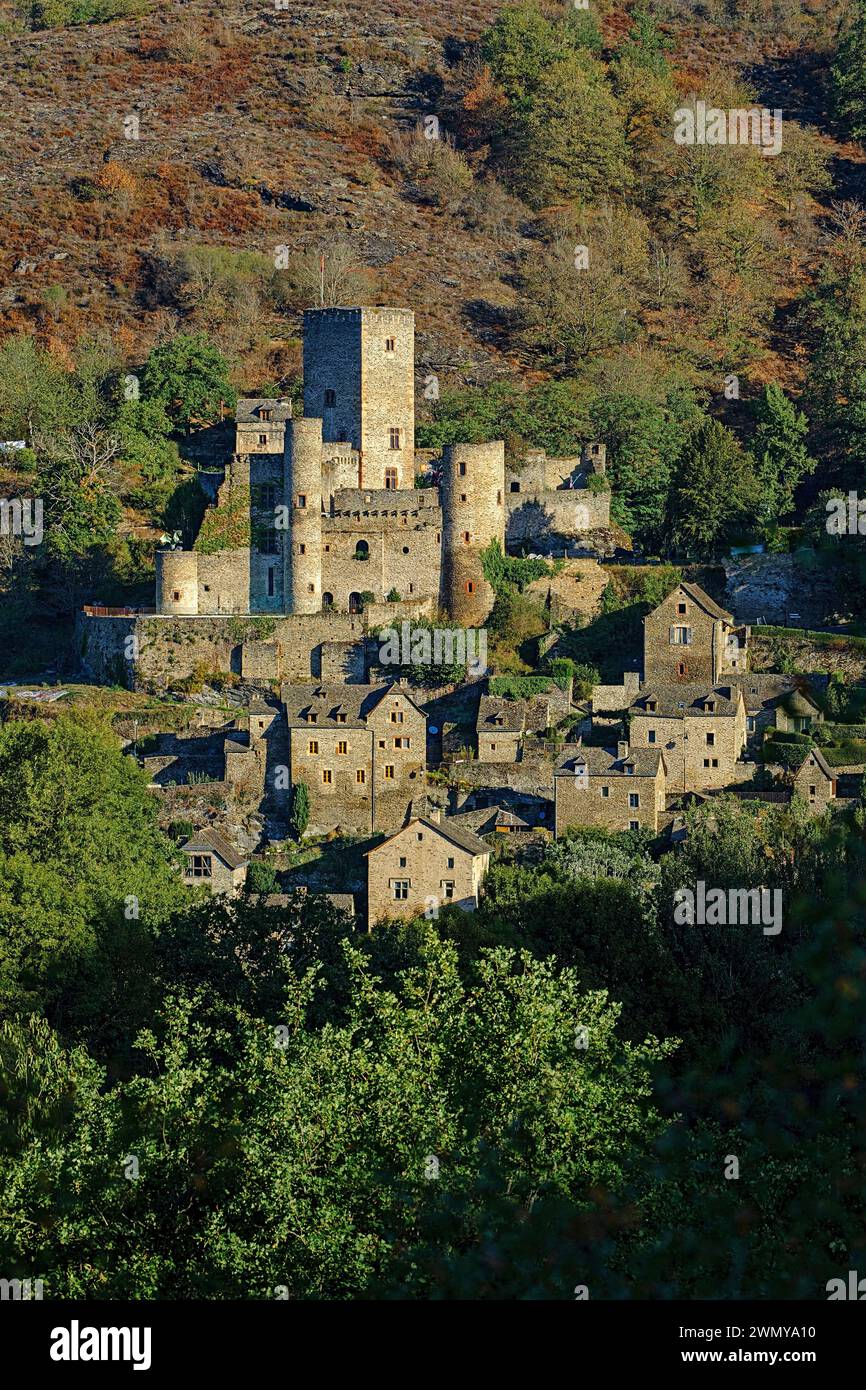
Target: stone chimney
622, 748
434, 814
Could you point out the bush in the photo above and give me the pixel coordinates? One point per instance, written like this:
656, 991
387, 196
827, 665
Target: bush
261, 878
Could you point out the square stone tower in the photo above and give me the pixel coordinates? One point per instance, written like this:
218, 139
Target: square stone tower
359, 379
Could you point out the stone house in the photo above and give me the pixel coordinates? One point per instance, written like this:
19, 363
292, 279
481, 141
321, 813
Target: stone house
815, 780
762, 693
621, 790
426, 865
690, 639
260, 425
213, 862
501, 725
362, 752
797, 712
700, 730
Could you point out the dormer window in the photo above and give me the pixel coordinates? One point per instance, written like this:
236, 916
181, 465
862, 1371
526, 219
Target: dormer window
265, 414
652, 706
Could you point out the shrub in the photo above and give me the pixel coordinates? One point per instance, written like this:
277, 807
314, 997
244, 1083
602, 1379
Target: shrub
261, 878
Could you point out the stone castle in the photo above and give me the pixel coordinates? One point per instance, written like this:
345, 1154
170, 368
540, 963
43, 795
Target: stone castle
323, 513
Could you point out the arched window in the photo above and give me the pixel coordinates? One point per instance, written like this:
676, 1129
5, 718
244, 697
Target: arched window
327, 600
356, 603
362, 550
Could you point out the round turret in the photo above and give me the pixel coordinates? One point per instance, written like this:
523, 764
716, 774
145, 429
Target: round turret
473, 514
176, 581
303, 549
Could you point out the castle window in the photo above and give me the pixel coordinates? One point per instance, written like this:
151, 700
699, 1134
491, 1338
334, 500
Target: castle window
634, 825
269, 545
390, 344
514, 487
362, 550
411, 588
313, 746
201, 866
605, 793
330, 399
470, 586
711, 740
342, 746
267, 495
327, 600
270, 581
402, 861
463, 497
263, 439
400, 888
390, 480
393, 437
461, 469
327, 777
360, 776
682, 669
389, 772
302, 500
449, 864
438, 537
176, 595
466, 537
311, 588
493, 747
634, 799
302, 549
447, 890
206, 588
381, 743
651, 735
499, 497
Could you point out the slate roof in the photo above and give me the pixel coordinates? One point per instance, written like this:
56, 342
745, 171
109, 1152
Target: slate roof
709, 605
603, 762
761, 690
820, 760
356, 702
463, 839
211, 841
675, 701
248, 410
492, 709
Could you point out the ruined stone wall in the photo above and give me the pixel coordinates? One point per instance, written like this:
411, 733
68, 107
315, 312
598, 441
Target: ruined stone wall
539, 516
172, 648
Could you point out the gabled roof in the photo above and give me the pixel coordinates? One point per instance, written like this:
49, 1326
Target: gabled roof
703, 600
821, 762
761, 689
249, 408
604, 762
463, 839
211, 841
356, 702
677, 701
798, 702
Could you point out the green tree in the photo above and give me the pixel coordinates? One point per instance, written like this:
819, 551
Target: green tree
779, 449
86, 877
189, 377
299, 814
716, 493
849, 73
